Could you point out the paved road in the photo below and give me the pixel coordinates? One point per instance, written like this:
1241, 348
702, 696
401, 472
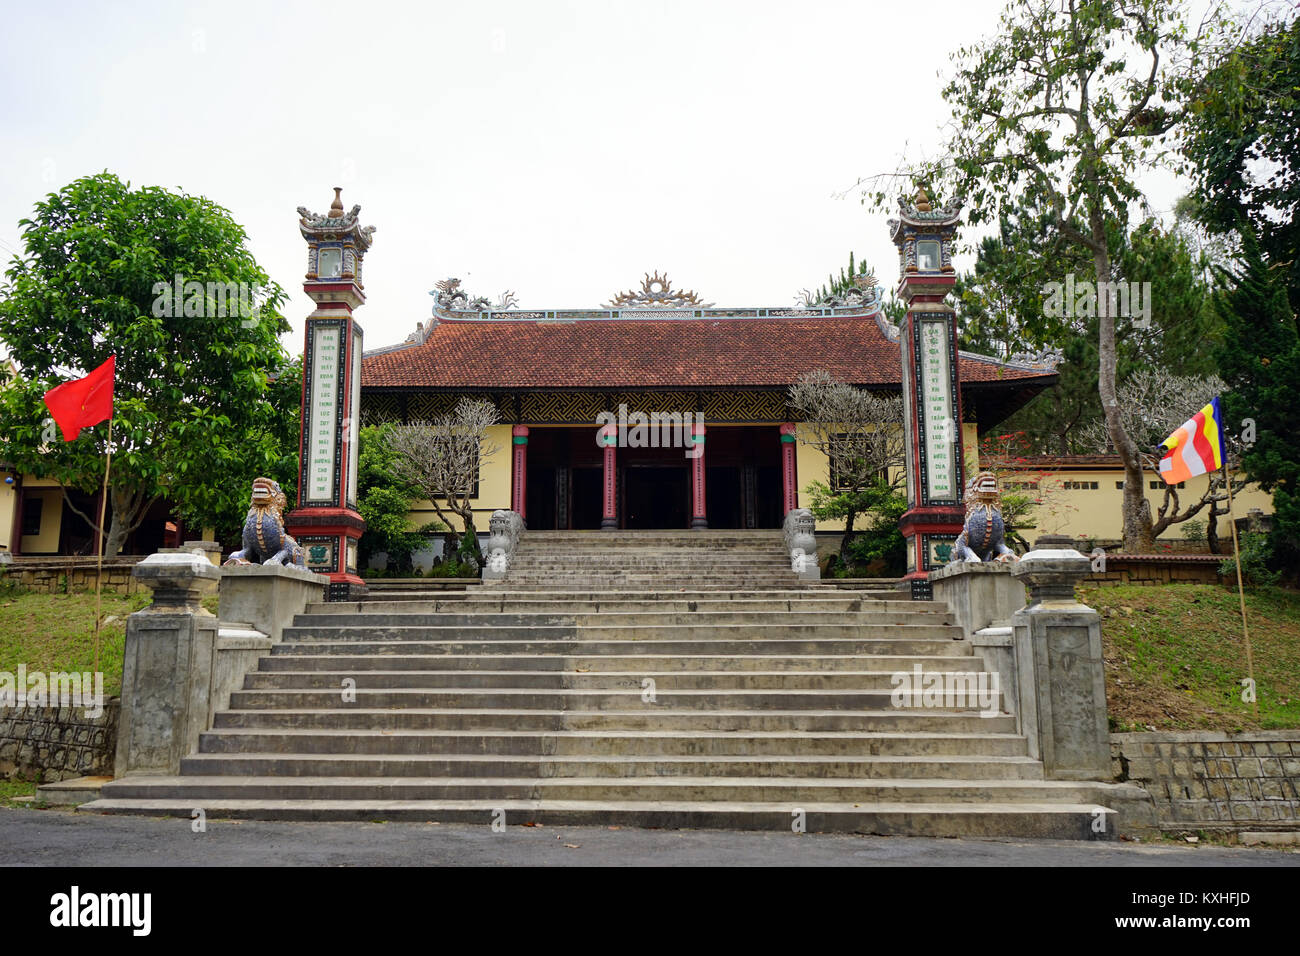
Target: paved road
55, 837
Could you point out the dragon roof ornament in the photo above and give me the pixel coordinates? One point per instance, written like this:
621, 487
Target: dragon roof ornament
336, 224
657, 292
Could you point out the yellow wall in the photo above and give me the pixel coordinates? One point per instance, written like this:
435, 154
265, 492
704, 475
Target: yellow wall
45, 489
1096, 513
493, 485
8, 499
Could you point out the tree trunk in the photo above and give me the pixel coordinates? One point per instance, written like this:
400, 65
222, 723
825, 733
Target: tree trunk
128, 507
1138, 538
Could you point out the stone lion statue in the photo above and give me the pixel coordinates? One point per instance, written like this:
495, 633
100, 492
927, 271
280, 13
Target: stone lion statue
265, 539
981, 537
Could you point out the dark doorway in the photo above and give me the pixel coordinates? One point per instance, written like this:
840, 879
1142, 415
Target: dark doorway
541, 498
585, 506
656, 496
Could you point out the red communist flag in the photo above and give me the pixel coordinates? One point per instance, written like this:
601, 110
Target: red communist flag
83, 402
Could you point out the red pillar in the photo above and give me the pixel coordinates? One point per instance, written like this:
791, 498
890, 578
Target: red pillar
699, 513
789, 476
519, 487
16, 533
609, 514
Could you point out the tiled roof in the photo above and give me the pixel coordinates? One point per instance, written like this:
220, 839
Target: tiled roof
649, 353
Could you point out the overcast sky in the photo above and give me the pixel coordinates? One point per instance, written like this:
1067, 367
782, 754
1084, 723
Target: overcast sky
559, 150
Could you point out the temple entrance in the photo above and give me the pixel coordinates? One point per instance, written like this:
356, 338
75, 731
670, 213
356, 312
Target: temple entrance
653, 485
657, 492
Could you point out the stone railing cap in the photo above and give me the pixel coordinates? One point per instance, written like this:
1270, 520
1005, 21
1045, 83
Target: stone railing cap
971, 567
272, 571
163, 566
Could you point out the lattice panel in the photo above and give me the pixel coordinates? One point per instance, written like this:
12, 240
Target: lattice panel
428, 405
663, 402
744, 407
380, 408
562, 408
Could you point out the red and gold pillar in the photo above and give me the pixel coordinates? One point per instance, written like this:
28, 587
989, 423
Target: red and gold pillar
609, 496
699, 510
789, 476
519, 471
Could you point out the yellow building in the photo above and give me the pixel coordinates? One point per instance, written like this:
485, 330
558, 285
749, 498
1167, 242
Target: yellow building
1082, 497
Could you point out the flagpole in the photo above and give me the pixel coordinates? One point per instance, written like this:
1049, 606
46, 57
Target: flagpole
1241, 591
99, 537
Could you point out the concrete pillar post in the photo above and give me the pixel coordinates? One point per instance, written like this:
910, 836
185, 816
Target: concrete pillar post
167, 666
1059, 668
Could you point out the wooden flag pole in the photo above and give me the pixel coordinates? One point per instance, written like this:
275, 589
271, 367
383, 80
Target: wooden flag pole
1241, 591
99, 537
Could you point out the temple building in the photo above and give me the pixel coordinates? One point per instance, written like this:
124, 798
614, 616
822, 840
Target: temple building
725, 372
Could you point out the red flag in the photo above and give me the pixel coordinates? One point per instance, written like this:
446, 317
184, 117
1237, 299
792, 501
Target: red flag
83, 402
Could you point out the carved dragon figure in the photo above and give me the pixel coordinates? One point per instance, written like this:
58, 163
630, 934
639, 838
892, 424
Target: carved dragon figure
264, 536
981, 537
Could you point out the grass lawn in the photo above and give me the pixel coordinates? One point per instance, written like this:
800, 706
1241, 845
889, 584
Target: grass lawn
55, 632
1175, 657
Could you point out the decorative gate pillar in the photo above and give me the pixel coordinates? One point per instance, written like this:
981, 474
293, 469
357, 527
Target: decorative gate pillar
326, 522
931, 390
519, 487
789, 476
699, 510
609, 494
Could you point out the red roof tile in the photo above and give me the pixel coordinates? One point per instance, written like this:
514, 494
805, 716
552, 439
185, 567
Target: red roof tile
648, 353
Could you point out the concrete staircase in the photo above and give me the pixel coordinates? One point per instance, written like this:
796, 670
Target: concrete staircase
646, 680
632, 560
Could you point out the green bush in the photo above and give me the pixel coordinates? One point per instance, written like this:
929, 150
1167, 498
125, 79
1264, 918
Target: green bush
1255, 571
1194, 530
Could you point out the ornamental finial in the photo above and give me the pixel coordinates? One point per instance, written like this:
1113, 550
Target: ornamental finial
336, 207
922, 200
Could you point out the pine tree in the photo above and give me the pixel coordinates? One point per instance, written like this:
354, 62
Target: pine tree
1259, 359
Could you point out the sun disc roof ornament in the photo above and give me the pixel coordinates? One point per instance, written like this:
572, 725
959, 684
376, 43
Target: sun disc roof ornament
657, 292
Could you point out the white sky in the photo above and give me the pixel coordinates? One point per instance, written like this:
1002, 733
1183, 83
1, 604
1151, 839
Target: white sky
560, 150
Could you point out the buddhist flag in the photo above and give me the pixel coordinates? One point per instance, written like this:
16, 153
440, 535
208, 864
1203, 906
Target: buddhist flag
83, 402
1196, 448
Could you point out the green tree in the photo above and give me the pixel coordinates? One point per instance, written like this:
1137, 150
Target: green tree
1242, 141
1259, 360
1060, 111
384, 500
195, 417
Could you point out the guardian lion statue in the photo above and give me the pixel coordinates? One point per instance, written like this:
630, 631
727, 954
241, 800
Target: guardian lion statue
981, 537
265, 539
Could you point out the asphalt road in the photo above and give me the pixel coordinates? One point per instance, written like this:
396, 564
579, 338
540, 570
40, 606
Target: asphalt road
62, 838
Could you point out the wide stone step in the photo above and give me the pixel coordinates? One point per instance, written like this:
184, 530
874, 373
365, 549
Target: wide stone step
438, 769
663, 680
594, 699
793, 791
356, 664
940, 647
613, 619
495, 603
938, 819
432, 630
409, 727
611, 745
